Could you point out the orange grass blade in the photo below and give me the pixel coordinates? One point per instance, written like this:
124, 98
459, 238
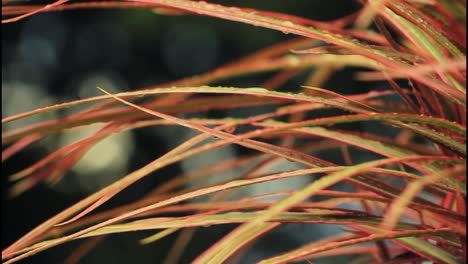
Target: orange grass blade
14, 19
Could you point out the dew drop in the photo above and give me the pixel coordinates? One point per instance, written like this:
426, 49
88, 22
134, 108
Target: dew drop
288, 24
230, 130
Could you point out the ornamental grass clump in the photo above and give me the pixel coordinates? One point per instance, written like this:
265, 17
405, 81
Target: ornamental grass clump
408, 197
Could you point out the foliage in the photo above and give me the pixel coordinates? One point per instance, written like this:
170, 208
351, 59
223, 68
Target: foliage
418, 47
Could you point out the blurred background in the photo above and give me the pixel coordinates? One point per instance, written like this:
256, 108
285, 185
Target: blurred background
56, 57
